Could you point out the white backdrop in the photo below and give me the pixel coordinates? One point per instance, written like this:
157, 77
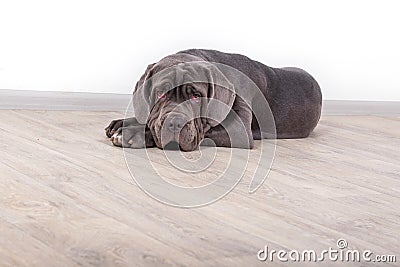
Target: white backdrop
352, 48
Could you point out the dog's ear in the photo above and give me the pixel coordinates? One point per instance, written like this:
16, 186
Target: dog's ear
220, 89
141, 96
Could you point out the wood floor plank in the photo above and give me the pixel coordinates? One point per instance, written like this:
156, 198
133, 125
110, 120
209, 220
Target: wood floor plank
66, 190
17, 248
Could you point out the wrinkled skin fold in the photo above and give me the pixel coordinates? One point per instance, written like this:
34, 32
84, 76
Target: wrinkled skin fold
172, 108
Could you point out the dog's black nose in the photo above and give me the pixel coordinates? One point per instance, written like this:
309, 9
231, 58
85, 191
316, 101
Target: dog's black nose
175, 123
173, 145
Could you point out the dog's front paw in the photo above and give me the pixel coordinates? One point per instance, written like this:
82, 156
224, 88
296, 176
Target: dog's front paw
112, 128
116, 137
131, 136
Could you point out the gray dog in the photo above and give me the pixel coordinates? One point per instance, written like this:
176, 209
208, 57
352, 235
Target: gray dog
173, 118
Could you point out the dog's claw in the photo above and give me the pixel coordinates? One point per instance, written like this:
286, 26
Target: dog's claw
116, 138
112, 127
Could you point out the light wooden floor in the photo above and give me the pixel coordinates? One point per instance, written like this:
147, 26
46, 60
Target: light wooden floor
66, 197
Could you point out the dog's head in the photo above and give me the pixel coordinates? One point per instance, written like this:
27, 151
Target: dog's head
179, 98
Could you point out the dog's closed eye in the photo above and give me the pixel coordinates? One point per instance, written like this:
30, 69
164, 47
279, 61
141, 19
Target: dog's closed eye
161, 95
195, 97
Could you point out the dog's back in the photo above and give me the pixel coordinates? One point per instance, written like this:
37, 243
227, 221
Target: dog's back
293, 95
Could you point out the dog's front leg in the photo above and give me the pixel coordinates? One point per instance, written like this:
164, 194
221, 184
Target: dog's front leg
129, 133
235, 130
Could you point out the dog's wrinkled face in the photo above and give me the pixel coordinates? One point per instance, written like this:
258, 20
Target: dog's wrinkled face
175, 98
175, 118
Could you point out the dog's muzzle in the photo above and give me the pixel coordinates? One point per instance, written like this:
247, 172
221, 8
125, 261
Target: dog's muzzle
171, 130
